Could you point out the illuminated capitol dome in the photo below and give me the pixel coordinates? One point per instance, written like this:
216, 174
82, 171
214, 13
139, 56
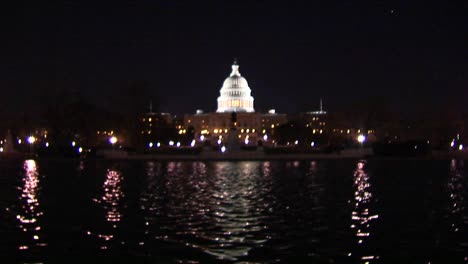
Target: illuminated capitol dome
235, 94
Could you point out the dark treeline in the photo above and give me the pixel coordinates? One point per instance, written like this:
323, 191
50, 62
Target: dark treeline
66, 113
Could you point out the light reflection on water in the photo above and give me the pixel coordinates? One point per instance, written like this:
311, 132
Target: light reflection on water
110, 201
265, 211
30, 215
457, 215
218, 212
362, 215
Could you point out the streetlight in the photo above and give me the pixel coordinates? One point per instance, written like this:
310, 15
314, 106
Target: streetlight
31, 140
113, 140
361, 138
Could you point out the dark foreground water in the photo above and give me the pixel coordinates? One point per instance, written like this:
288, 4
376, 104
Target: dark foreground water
323, 211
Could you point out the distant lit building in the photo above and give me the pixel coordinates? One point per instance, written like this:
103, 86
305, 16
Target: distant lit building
270, 121
235, 97
316, 121
156, 128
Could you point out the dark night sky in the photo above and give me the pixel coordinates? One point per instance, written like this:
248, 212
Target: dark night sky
412, 53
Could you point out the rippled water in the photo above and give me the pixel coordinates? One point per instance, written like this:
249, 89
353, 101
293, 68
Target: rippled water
318, 211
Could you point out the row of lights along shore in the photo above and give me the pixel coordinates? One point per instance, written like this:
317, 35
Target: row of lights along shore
113, 140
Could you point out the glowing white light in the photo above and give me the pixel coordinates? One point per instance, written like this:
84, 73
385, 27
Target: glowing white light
202, 137
47, 144
113, 140
80, 149
192, 143
1, 149
361, 138
265, 137
158, 145
312, 144
171, 143
246, 141
19, 141
452, 143
73, 143
223, 149
460, 147
150, 144
219, 141
178, 144
31, 140
296, 142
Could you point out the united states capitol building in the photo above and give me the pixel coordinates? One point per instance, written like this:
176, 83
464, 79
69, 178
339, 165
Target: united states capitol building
235, 96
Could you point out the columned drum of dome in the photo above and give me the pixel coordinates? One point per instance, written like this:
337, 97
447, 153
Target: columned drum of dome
235, 94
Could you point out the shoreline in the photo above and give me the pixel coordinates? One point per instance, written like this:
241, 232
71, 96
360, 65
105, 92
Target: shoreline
241, 156
261, 156
251, 156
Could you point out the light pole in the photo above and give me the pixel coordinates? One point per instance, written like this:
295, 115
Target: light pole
31, 140
361, 139
113, 140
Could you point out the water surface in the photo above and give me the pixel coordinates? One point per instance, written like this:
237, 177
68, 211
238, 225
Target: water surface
317, 211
